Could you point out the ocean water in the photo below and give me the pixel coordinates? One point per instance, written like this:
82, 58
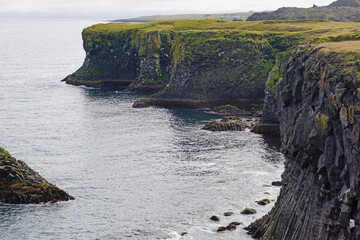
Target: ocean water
135, 173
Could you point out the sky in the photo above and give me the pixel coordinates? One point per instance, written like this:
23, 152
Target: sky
133, 8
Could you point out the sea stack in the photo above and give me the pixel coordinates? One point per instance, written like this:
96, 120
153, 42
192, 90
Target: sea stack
19, 184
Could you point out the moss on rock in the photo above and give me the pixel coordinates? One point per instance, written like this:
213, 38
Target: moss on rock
20, 184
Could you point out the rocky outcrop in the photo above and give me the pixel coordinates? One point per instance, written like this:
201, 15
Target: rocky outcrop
20, 184
226, 124
129, 58
319, 115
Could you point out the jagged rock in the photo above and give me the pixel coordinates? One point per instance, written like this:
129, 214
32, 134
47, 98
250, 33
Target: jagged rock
248, 211
226, 124
320, 137
227, 214
20, 184
215, 218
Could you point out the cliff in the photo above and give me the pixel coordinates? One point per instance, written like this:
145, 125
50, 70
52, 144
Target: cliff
194, 59
20, 184
319, 114
341, 10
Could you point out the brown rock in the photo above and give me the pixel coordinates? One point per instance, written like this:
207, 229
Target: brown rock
226, 124
221, 229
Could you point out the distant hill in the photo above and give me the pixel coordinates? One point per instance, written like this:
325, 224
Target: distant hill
224, 16
340, 11
345, 3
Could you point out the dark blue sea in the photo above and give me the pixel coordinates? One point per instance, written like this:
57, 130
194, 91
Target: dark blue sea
135, 173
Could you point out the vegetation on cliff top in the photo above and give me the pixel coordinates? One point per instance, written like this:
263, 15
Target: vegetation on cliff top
311, 27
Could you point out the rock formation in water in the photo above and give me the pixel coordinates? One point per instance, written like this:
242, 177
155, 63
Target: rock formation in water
319, 115
226, 124
20, 184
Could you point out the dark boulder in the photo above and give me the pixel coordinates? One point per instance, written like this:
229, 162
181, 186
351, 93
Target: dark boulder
215, 218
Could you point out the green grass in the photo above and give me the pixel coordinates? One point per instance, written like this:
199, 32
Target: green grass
318, 28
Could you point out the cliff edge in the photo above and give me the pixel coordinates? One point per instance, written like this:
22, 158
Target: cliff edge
319, 115
196, 62
20, 184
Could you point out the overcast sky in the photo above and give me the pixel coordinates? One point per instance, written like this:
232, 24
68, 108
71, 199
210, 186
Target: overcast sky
129, 8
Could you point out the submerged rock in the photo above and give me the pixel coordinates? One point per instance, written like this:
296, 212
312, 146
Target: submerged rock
20, 184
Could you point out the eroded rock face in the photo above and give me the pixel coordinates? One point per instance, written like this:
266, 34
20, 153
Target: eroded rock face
319, 114
20, 184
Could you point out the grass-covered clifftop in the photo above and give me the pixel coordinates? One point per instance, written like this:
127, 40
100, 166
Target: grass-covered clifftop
197, 59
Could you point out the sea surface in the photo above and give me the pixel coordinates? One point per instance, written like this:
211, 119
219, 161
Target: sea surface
135, 173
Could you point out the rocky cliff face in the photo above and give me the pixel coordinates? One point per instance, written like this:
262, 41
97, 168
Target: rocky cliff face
319, 114
206, 59
129, 57
20, 184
